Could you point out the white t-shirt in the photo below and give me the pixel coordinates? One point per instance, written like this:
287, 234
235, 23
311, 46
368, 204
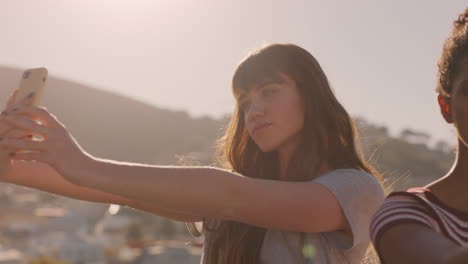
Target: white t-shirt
359, 194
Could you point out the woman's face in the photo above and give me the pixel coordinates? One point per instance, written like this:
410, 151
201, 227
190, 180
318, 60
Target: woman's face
273, 114
459, 102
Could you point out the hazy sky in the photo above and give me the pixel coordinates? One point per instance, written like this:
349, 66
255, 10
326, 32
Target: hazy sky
380, 56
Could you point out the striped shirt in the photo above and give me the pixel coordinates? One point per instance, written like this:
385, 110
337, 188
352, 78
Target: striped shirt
419, 206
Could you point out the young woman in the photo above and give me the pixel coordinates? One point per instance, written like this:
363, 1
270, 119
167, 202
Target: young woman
430, 224
292, 173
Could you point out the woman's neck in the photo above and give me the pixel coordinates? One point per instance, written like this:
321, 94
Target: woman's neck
285, 153
284, 156
457, 176
460, 168
451, 188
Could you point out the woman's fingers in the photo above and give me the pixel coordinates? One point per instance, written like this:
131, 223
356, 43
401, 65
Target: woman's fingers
27, 125
11, 100
24, 102
18, 134
20, 144
57, 147
37, 113
30, 156
5, 128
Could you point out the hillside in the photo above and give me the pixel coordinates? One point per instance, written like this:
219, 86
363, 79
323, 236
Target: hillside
112, 126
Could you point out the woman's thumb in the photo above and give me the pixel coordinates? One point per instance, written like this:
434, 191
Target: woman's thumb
11, 100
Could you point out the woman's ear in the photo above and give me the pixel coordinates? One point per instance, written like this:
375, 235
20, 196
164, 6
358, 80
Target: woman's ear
445, 109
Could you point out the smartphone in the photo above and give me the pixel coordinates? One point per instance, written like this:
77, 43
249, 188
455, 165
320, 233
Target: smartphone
33, 80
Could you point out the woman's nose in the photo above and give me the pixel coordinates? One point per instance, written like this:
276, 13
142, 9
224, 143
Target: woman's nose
256, 109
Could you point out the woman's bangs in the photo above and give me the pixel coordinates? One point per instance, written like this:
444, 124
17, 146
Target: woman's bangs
255, 72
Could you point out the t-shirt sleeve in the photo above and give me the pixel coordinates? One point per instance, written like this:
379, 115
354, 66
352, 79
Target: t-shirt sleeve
359, 195
400, 208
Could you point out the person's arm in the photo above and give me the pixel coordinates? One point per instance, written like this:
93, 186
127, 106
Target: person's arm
458, 256
43, 177
419, 244
203, 191
217, 193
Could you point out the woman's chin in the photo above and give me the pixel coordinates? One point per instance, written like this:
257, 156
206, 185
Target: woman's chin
266, 148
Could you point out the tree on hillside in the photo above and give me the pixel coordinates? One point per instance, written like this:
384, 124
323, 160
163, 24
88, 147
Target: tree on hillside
413, 136
407, 160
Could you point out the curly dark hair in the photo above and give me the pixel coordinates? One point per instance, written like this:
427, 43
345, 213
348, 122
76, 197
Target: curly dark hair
454, 51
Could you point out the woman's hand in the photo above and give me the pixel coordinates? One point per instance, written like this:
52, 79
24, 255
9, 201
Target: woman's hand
7, 130
56, 146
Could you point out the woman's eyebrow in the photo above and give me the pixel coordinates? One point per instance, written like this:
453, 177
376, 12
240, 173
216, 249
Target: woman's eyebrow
264, 82
242, 96
257, 87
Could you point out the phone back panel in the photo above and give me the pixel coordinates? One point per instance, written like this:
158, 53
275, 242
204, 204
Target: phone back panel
33, 80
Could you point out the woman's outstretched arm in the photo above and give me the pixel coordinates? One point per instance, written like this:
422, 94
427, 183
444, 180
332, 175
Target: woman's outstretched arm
217, 193
200, 191
43, 177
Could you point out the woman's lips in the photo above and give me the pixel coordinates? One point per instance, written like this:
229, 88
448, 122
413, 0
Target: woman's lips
260, 127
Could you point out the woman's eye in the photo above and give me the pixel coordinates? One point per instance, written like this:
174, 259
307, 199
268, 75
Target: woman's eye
267, 92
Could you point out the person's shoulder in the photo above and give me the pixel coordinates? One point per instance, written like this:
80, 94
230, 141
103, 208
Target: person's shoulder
403, 207
348, 171
401, 202
350, 175
352, 182
415, 194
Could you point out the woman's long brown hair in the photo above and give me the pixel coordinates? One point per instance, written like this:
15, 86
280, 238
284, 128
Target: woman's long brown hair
328, 138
